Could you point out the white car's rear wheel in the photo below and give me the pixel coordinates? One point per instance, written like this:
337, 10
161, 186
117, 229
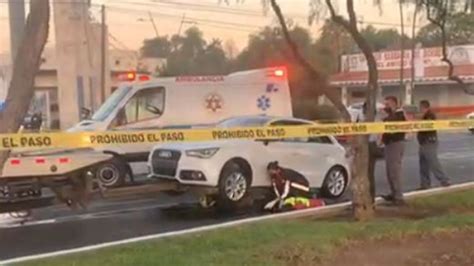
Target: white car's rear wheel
335, 182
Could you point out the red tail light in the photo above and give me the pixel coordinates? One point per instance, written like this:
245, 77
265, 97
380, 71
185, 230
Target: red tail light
40, 160
64, 160
15, 161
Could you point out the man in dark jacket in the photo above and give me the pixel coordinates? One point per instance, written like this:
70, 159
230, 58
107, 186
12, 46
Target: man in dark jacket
394, 149
286, 183
428, 151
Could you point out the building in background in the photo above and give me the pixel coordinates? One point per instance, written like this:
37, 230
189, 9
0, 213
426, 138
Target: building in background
430, 78
5, 76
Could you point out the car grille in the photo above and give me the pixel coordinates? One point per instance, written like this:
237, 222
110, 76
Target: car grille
165, 162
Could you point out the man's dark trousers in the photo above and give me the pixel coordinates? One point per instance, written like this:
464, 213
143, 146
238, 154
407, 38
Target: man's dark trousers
429, 163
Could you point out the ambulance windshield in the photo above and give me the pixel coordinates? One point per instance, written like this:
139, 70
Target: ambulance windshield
111, 103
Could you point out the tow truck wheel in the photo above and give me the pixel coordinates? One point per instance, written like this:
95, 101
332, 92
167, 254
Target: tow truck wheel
112, 173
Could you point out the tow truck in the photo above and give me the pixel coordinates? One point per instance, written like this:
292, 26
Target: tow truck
75, 176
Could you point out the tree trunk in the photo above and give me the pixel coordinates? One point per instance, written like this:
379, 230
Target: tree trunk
361, 199
413, 46
402, 47
26, 65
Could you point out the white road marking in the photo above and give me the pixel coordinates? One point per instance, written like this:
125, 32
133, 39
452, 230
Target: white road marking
13, 223
321, 211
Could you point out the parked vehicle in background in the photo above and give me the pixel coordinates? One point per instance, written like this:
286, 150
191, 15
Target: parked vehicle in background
177, 101
227, 170
355, 110
471, 116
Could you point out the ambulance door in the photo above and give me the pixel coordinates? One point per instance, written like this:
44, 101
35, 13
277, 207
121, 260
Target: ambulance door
143, 110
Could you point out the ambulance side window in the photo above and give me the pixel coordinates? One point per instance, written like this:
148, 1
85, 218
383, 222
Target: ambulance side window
290, 123
144, 105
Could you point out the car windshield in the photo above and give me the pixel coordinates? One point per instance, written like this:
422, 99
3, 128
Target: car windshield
244, 122
111, 103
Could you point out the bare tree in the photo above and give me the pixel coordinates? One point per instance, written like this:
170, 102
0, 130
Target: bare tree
362, 202
402, 44
418, 6
26, 65
361, 199
438, 13
320, 81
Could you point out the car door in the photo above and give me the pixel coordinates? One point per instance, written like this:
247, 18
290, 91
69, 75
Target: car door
312, 157
294, 153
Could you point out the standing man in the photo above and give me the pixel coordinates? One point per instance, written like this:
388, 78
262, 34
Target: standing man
394, 148
428, 152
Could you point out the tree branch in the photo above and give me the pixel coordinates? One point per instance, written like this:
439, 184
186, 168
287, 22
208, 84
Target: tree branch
317, 77
440, 22
25, 67
351, 12
351, 27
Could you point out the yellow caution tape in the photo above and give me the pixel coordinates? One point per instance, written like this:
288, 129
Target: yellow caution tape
98, 139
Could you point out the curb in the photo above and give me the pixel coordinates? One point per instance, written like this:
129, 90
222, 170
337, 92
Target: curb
316, 212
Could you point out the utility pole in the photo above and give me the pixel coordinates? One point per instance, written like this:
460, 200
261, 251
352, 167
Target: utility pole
16, 9
103, 62
181, 24
154, 25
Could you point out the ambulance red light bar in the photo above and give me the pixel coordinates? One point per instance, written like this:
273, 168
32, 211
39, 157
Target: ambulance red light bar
143, 78
133, 76
277, 73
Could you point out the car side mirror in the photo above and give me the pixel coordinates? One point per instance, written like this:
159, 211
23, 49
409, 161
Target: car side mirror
120, 119
85, 113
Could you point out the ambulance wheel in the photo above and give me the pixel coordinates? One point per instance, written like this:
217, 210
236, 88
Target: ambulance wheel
112, 173
335, 182
234, 183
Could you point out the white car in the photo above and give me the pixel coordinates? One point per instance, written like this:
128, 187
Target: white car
355, 110
471, 116
226, 170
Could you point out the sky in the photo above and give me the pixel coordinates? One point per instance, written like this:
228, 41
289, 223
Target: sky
130, 21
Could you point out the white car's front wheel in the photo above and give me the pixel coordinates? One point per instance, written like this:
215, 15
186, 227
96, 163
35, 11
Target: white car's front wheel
335, 182
233, 186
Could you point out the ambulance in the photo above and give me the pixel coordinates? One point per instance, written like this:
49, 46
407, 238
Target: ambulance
181, 102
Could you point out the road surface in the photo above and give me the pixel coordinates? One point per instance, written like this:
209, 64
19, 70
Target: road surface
57, 228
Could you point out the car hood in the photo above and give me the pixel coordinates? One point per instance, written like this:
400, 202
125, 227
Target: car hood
201, 145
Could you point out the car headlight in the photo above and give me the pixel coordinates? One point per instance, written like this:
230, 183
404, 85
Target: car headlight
202, 153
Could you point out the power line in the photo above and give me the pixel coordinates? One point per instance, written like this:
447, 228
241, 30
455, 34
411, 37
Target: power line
195, 7
115, 39
143, 12
210, 8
